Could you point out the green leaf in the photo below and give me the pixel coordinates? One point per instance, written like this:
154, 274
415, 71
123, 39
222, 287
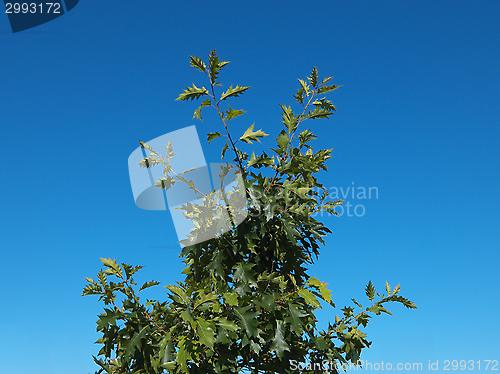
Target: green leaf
108, 318
191, 93
289, 120
233, 92
278, 343
244, 273
326, 80
182, 356
129, 270
407, 303
305, 87
348, 311
396, 289
267, 301
197, 112
370, 291
198, 63
204, 298
230, 298
362, 319
179, 292
296, 324
305, 137
299, 96
213, 135
325, 104
226, 147
233, 113
388, 288
358, 304
167, 353
213, 64
255, 347
188, 318
113, 267
321, 286
131, 345
259, 161
228, 325
313, 79
377, 309
250, 135
102, 278
321, 343
318, 112
205, 332
310, 298
283, 140
326, 89
248, 322
149, 284
223, 63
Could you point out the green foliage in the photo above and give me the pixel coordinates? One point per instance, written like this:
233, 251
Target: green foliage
247, 303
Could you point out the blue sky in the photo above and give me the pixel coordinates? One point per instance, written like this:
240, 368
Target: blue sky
418, 118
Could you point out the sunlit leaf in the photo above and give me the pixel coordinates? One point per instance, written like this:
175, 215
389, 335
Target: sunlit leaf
191, 93
250, 135
233, 92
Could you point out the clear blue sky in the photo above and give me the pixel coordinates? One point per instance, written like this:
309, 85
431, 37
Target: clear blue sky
418, 118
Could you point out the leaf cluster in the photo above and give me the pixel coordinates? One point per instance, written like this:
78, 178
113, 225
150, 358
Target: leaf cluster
247, 302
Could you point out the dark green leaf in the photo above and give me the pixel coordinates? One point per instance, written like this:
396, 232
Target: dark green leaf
108, 318
247, 320
182, 356
205, 332
279, 344
131, 345
296, 324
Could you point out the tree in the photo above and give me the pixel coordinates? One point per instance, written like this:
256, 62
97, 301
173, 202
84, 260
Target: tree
247, 303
